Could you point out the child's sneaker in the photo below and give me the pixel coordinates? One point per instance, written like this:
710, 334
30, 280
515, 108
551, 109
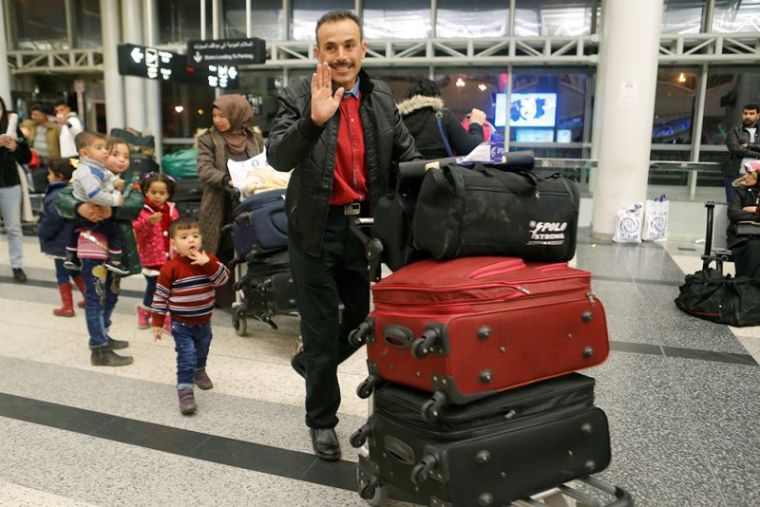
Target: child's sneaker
143, 317
200, 377
115, 266
186, 401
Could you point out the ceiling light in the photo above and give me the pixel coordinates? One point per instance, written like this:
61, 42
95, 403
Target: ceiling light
482, 87
460, 82
179, 109
681, 78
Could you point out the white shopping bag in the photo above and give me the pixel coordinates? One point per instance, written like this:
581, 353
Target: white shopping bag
628, 224
655, 219
255, 174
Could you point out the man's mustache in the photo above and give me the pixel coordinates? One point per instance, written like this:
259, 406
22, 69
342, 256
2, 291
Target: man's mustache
339, 63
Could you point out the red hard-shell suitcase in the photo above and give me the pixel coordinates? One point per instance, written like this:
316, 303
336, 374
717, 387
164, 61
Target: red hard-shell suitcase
467, 328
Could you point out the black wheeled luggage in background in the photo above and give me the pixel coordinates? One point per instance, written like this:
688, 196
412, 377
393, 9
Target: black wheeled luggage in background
492, 451
187, 197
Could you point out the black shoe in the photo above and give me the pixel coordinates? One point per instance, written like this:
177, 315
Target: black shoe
115, 267
299, 364
117, 344
325, 443
19, 275
103, 356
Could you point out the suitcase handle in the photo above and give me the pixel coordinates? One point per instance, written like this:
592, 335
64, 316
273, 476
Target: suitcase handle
398, 337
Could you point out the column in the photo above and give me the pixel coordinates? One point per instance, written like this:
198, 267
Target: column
5, 78
628, 66
153, 87
134, 87
113, 84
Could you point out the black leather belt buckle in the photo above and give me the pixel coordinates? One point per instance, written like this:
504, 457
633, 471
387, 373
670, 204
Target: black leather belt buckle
352, 209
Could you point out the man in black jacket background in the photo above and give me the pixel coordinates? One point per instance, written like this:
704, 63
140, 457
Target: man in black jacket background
343, 163
743, 146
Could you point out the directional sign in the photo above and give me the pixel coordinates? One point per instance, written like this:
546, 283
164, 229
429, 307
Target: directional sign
154, 63
226, 51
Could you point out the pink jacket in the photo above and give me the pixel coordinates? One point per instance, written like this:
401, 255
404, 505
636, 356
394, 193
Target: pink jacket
153, 240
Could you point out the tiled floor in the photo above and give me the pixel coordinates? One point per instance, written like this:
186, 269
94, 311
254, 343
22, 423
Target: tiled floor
682, 396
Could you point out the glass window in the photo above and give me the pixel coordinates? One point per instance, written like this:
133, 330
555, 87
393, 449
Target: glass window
674, 105
180, 20
398, 79
262, 90
552, 17
87, 24
185, 108
397, 19
728, 91
557, 103
487, 18
40, 24
306, 13
682, 16
266, 19
734, 16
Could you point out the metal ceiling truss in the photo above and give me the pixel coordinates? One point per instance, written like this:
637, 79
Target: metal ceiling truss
711, 48
55, 61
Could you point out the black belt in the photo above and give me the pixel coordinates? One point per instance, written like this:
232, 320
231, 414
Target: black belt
352, 209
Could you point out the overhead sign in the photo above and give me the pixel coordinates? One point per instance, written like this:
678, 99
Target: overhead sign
226, 51
154, 63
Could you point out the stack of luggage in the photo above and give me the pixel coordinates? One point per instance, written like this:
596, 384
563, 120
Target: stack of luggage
475, 340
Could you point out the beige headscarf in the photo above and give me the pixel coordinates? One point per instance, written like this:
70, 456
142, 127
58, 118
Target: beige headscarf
238, 111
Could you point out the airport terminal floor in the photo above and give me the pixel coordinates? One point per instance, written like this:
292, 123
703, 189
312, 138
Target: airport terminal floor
682, 396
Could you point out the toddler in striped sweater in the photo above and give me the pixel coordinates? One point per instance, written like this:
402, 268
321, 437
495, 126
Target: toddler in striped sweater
185, 290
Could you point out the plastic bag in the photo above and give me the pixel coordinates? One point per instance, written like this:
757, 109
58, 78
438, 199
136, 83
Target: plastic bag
655, 219
628, 224
255, 174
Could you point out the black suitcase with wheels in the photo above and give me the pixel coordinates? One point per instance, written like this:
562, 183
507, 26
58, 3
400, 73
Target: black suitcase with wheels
490, 452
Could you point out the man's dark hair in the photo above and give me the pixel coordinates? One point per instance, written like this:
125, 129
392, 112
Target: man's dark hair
339, 15
183, 224
61, 167
754, 107
61, 103
86, 138
151, 178
38, 106
424, 87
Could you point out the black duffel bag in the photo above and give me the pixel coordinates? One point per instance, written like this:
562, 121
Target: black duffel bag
481, 210
710, 295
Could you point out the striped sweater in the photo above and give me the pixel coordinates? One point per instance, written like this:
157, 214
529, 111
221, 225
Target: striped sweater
186, 291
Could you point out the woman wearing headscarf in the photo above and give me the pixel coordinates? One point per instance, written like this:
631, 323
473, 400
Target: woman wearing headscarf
231, 137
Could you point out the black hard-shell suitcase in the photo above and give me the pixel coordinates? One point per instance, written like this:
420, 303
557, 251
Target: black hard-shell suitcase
187, 197
492, 451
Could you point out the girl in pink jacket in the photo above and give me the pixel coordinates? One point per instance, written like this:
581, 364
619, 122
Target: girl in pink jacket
152, 232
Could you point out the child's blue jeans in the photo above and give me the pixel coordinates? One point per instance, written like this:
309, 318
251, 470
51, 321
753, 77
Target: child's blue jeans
191, 342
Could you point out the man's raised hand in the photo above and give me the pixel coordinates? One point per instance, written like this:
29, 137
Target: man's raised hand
324, 102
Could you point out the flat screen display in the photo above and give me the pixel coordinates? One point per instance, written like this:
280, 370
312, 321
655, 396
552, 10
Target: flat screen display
532, 109
532, 135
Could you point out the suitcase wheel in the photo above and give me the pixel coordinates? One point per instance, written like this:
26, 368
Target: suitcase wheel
358, 336
421, 470
239, 322
431, 409
364, 390
359, 436
423, 345
372, 491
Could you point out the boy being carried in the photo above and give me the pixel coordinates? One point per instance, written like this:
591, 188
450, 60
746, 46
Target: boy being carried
185, 290
95, 184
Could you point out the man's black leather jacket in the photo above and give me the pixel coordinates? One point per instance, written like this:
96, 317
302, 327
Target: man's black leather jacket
295, 142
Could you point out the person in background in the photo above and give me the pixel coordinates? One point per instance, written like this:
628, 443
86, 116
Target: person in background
54, 232
70, 126
44, 140
421, 110
230, 138
745, 206
342, 136
13, 151
743, 146
152, 232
